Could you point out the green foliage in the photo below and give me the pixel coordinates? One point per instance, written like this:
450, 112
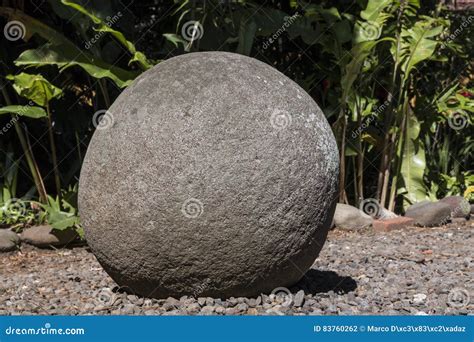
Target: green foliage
137, 56
390, 77
28, 111
14, 211
35, 88
61, 52
61, 213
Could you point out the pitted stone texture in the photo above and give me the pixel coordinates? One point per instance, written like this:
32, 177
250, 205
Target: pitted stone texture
218, 178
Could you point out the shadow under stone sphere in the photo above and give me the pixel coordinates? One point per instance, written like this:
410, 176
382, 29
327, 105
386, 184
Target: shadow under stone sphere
213, 174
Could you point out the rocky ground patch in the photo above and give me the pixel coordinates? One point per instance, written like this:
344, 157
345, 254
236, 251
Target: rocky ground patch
404, 272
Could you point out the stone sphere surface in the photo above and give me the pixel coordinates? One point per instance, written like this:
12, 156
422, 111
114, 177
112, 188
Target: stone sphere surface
212, 174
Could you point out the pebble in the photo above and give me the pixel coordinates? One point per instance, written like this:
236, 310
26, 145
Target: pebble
419, 298
298, 299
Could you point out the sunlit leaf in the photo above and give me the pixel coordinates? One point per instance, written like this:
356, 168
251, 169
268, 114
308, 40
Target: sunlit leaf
28, 111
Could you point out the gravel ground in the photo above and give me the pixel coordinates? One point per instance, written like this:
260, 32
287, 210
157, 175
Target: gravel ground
417, 271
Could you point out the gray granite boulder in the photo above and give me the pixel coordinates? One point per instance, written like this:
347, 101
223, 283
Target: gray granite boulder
46, 236
9, 240
213, 175
352, 218
459, 206
429, 214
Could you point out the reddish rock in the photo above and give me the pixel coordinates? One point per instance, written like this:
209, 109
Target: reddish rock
392, 224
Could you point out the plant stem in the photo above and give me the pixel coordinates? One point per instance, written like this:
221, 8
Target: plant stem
32, 164
54, 156
30, 160
342, 161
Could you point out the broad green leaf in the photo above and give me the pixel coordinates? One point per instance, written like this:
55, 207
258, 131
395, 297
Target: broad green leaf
62, 221
103, 27
62, 52
413, 163
417, 44
35, 88
374, 8
64, 56
359, 53
29, 111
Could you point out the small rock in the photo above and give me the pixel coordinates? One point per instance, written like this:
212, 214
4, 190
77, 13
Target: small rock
252, 312
242, 307
208, 309
429, 214
231, 311
298, 298
202, 301
193, 307
252, 302
132, 298
9, 240
351, 218
419, 298
46, 236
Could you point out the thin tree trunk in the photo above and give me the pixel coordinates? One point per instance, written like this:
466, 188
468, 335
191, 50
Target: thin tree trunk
34, 169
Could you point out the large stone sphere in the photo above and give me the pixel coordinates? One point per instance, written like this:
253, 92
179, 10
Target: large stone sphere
213, 174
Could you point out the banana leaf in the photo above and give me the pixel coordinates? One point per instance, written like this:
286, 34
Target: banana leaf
137, 56
413, 164
28, 111
35, 88
61, 52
